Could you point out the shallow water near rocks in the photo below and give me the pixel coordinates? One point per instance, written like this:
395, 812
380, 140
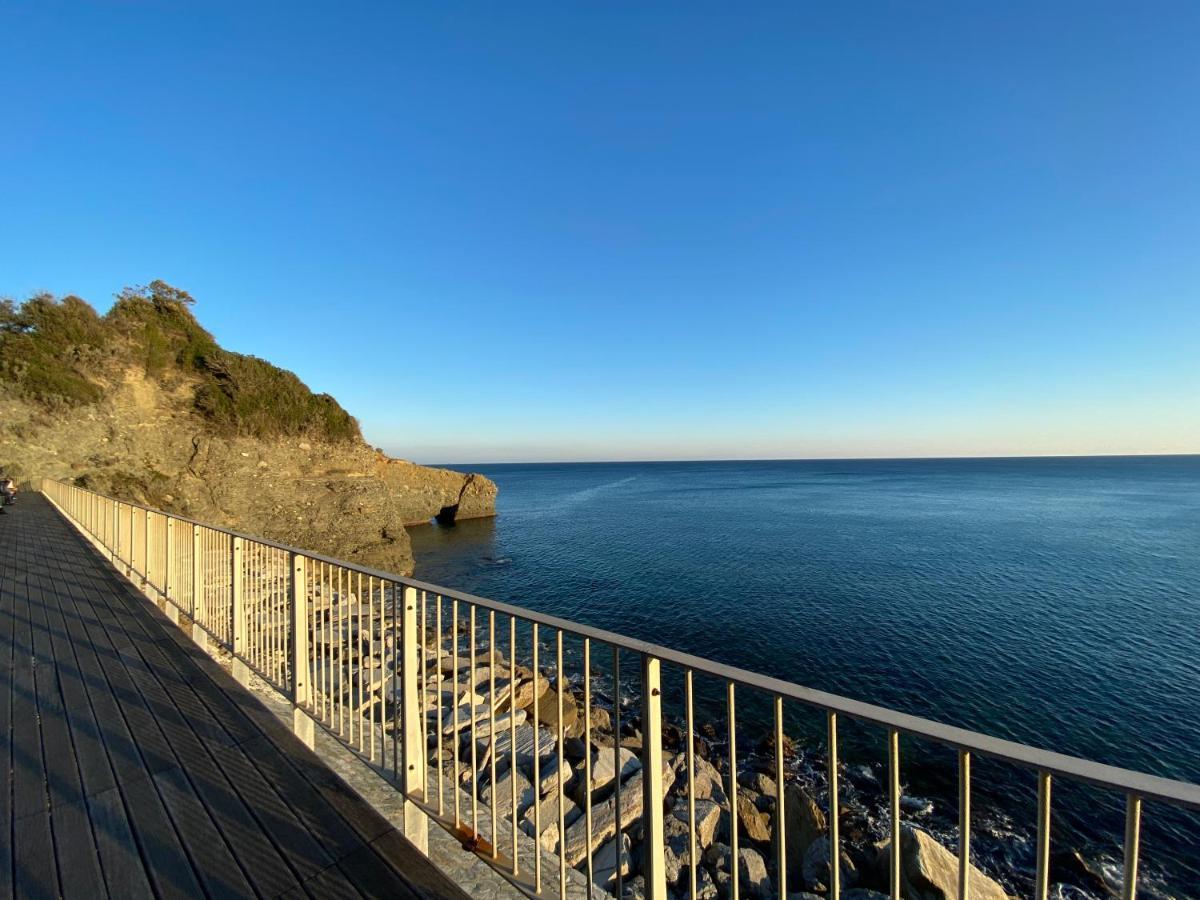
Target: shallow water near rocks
1054, 602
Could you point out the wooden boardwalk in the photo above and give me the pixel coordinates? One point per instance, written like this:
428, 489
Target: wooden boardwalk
136, 767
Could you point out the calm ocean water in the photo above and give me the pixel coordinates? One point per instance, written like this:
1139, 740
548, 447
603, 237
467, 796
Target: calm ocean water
1050, 601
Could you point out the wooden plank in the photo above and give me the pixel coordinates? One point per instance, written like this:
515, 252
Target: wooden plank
34, 872
215, 865
75, 849
260, 859
175, 657
167, 864
69, 823
318, 817
373, 876
95, 771
29, 773
58, 751
415, 867
304, 854
8, 587
330, 884
124, 872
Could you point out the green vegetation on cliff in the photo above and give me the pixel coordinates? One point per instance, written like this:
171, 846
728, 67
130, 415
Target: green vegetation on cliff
62, 354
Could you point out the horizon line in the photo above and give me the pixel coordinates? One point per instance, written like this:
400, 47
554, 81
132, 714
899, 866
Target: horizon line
563, 462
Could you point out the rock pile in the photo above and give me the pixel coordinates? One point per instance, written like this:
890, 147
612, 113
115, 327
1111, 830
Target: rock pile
614, 838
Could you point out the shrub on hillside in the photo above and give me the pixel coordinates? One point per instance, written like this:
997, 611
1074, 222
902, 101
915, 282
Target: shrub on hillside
47, 347
247, 395
59, 352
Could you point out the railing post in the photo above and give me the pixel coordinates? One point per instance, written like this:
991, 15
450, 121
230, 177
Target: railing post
170, 559
241, 672
416, 823
169, 606
654, 846
146, 580
302, 724
197, 582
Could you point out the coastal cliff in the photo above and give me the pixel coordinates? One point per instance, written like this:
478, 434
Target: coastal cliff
143, 405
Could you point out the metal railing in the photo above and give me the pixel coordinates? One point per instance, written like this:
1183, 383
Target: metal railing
368, 655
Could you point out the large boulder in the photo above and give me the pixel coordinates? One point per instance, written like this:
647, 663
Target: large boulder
549, 779
605, 817
805, 823
816, 867
604, 766
752, 872
708, 815
500, 793
527, 688
547, 812
709, 783
928, 871
524, 748
608, 859
572, 723
753, 822
759, 783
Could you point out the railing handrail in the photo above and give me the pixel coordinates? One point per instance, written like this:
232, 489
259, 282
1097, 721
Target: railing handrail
1128, 781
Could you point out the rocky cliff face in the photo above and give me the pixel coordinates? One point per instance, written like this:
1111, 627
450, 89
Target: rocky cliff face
145, 437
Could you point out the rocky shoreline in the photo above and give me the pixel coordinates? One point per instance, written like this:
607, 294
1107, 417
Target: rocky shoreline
929, 864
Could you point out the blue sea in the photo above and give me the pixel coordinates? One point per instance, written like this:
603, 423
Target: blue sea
1052, 601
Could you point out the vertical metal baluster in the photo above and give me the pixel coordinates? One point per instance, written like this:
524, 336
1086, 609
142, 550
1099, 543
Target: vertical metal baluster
424, 651
894, 811
512, 735
264, 587
474, 733
351, 660
268, 637
780, 817
616, 677
454, 702
332, 651
310, 657
400, 637
437, 728
329, 579
256, 633
835, 844
358, 658
343, 629
964, 825
537, 775
266, 613
492, 728
1133, 815
691, 781
562, 825
284, 612
1042, 885
376, 651
366, 705
587, 756
733, 810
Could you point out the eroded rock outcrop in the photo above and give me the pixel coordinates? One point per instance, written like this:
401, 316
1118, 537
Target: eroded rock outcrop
143, 405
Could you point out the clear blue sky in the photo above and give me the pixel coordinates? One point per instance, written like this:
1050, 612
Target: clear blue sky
626, 230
